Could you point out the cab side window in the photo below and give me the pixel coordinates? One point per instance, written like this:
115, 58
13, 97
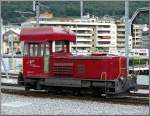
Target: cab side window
26, 49
33, 50
40, 49
59, 46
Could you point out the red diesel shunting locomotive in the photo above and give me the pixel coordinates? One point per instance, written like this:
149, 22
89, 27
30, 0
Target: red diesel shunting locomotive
48, 63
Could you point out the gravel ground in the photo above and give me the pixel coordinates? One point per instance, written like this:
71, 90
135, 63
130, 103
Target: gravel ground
20, 105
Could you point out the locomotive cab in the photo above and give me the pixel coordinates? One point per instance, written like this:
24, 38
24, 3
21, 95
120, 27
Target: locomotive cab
36, 59
37, 56
40, 45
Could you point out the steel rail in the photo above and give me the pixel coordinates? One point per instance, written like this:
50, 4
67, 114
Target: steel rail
76, 0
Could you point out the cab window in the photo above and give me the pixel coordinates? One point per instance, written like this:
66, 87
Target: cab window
37, 49
25, 49
60, 46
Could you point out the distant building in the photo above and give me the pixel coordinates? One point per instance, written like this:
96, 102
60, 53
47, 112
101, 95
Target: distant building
135, 42
137, 35
11, 42
135, 52
43, 16
97, 33
92, 33
46, 16
145, 39
120, 33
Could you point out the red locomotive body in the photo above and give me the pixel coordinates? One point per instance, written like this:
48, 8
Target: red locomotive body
90, 67
48, 62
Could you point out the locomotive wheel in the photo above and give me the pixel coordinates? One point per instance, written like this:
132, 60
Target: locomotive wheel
95, 92
38, 86
27, 88
58, 91
20, 79
51, 92
76, 92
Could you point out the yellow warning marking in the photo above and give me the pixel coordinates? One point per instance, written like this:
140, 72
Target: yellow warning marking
119, 68
103, 75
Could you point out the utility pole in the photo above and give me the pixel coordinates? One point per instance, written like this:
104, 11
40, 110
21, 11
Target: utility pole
0, 56
36, 9
149, 51
11, 60
127, 33
81, 9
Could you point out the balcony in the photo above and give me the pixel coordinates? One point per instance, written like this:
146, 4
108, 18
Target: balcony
121, 35
120, 29
137, 46
99, 39
137, 41
120, 40
82, 45
105, 45
84, 34
104, 34
79, 39
120, 24
121, 45
105, 29
138, 37
82, 29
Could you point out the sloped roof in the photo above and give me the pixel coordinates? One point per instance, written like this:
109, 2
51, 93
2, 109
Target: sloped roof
15, 30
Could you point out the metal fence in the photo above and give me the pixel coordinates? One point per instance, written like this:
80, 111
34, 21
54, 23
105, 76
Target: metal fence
11, 64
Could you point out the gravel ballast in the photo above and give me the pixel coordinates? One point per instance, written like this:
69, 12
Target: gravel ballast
20, 105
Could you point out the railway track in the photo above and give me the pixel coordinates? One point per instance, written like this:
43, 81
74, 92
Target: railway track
133, 99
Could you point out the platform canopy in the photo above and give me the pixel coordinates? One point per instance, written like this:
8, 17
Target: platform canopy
46, 33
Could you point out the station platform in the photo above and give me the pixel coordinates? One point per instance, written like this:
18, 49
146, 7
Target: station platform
141, 91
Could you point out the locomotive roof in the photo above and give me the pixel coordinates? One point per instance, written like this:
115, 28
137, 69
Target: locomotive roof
46, 33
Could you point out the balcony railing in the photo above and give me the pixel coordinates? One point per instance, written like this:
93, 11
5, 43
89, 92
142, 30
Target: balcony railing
78, 39
105, 45
82, 29
121, 35
82, 45
99, 39
120, 29
105, 29
104, 34
120, 40
84, 34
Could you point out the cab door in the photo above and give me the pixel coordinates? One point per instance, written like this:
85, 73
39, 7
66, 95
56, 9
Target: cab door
36, 62
46, 57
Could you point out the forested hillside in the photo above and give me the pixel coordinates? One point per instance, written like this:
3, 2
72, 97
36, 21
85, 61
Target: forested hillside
70, 9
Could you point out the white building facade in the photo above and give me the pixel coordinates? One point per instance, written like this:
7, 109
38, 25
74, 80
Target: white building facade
92, 33
98, 34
